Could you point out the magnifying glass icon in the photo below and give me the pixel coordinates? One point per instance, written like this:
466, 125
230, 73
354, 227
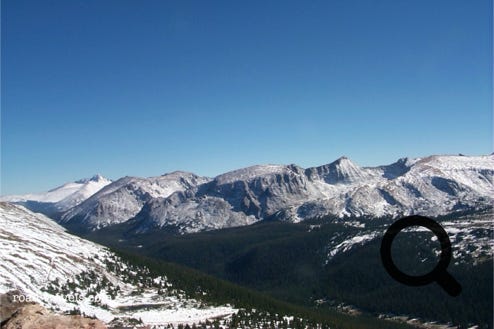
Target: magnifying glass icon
438, 274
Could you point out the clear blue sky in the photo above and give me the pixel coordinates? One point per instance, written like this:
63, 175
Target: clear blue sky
130, 87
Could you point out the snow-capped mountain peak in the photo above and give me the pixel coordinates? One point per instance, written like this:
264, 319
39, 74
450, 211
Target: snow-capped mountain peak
63, 197
94, 178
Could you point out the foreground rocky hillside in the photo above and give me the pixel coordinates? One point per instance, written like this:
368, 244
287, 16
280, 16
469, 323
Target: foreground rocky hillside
17, 315
52, 279
64, 273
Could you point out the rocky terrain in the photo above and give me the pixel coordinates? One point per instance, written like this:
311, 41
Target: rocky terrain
29, 315
124, 198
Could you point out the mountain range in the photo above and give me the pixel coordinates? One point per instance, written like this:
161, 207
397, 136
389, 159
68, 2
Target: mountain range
306, 236
185, 202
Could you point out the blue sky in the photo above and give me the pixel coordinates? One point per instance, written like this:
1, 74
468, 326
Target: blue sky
142, 88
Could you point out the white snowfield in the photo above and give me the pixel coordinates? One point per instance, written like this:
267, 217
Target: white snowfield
37, 255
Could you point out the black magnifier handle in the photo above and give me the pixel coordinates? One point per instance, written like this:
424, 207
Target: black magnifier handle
449, 284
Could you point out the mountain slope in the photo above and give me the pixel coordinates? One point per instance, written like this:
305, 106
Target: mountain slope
124, 198
63, 272
39, 260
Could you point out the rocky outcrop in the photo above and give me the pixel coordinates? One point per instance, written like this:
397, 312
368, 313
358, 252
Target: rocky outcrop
8, 306
16, 314
35, 316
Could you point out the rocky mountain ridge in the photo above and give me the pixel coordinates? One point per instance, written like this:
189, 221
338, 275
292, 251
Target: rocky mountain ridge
431, 186
184, 202
124, 198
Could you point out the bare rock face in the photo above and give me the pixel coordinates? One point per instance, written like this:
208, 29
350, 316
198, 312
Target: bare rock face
34, 316
431, 186
8, 306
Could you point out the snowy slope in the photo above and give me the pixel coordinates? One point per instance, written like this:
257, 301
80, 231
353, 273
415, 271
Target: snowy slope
63, 197
64, 272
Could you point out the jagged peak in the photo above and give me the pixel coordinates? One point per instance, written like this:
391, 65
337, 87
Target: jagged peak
344, 161
342, 170
342, 158
398, 168
98, 177
95, 178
